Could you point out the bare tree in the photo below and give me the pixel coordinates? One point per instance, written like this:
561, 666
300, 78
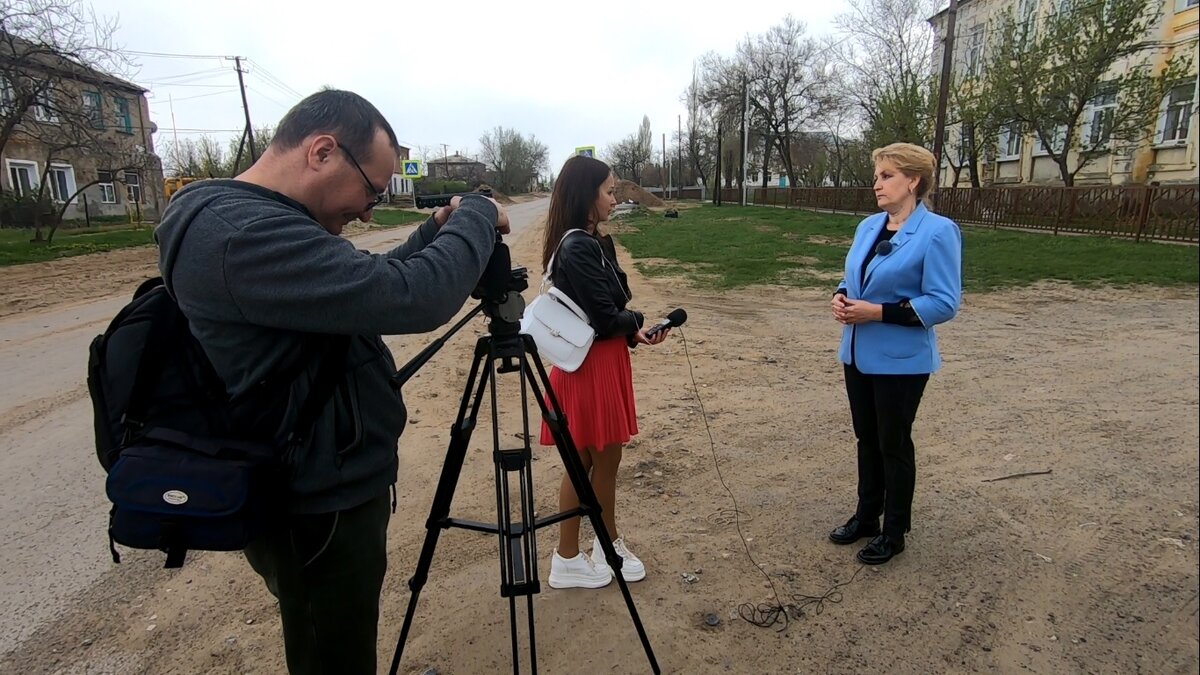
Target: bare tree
515, 161
68, 131
630, 156
44, 46
786, 79
699, 137
887, 58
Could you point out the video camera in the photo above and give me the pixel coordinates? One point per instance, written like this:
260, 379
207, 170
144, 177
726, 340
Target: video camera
438, 201
500, 277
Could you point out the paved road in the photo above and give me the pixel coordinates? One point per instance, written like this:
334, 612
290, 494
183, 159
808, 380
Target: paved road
53, 513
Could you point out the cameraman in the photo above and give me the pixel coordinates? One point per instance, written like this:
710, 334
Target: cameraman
262, 275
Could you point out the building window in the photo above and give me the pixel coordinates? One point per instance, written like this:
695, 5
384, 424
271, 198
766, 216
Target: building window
7, 95
133, 186
108, 191
43, 109
22, 176
966, 144
62, 182
1057, 143
1185, 5
1010, 142
974, 53
124, 117
1098, 119
1177, 114
1027, 20
92, 108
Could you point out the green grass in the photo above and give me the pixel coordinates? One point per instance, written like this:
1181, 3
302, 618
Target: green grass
734, 246
395, 217
16, 247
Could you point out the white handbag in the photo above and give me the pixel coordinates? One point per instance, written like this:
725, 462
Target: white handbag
557, 325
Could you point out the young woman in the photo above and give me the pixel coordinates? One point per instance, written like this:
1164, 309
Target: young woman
598, 398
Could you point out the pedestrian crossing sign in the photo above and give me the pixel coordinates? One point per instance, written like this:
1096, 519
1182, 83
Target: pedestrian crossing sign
411, 168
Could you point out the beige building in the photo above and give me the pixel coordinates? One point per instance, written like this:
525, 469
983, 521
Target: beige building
1171, 156
94, 133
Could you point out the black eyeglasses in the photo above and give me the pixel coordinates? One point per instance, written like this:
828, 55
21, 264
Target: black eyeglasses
379, 196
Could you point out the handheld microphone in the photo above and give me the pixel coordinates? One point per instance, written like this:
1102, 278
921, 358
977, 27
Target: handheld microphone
677, 317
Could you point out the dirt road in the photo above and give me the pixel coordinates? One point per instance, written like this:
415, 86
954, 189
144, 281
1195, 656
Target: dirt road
1092, 567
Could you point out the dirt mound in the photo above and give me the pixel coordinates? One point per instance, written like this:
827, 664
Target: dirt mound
496, 194
628, 190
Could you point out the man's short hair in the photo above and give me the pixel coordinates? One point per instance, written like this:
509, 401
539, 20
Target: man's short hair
346, 116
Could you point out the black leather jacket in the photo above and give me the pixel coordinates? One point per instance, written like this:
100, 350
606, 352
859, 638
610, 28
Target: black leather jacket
586, 269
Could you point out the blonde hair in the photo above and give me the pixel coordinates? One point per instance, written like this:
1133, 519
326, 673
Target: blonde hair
912, 161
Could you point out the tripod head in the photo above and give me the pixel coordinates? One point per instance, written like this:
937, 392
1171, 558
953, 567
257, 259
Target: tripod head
499, 291
499, 295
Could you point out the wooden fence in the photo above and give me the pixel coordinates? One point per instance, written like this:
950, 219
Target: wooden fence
1152, 212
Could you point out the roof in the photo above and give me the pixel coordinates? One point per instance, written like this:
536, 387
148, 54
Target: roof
454, 159
14, 47
946, 9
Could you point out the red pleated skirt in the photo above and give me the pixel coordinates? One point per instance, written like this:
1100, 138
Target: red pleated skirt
598, 397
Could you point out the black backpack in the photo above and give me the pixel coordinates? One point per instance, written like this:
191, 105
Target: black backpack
188, 466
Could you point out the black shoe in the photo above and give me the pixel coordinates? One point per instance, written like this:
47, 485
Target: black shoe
881, 549
853, 530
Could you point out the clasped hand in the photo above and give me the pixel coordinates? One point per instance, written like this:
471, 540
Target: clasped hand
853, 312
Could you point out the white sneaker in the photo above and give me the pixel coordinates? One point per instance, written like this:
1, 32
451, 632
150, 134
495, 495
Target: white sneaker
578, 572
632, 568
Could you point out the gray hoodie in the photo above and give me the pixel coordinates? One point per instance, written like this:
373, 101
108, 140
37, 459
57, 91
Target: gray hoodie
254, 273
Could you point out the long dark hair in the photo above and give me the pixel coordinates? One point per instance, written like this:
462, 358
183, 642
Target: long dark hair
573, 201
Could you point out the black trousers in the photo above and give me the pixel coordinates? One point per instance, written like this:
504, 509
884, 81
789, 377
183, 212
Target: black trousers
883, 408
327, 572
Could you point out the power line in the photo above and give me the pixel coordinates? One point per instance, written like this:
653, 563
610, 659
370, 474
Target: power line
164, 85
185, 76
256, 91
164, 55
268, 75
211, 93
276, 88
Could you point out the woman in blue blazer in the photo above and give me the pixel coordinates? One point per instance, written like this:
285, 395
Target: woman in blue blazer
903, 277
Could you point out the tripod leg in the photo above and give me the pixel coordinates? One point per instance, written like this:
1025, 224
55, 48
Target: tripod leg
460, 436
518, 537
590, 506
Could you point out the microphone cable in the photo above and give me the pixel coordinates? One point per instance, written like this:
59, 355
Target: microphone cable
765, 614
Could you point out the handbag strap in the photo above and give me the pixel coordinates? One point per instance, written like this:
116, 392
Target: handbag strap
566, 301
550, 266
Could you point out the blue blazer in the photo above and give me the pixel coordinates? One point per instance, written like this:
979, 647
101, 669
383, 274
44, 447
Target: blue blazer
923, 267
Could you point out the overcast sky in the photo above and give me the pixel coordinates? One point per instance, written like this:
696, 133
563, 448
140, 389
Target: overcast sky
441, 72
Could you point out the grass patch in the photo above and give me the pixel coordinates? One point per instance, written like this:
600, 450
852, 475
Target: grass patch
733, 246
17, 248
396, 217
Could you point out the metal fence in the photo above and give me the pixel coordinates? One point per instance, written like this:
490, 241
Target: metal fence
1155, 212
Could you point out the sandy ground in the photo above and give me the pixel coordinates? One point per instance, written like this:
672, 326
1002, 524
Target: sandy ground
1090, 568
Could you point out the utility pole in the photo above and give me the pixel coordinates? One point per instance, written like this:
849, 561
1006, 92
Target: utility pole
666, 181
174, 129
717, 174
745, 105
943, 97
237, 60
445, 162
679, 154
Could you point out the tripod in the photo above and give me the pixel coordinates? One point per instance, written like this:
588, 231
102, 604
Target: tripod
514, 353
